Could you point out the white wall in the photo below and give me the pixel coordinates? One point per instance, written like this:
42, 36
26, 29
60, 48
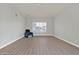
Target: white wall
50, 25
11, 26
67, 24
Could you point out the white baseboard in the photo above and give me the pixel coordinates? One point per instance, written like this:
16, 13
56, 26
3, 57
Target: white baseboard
43, 34
10, 42
71, 43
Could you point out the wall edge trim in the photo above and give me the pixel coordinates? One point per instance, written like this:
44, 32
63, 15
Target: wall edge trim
11, 42
71, 43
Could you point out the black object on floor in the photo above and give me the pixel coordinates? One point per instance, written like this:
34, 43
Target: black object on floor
28, 33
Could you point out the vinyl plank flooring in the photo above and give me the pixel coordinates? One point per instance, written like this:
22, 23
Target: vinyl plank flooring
40, 45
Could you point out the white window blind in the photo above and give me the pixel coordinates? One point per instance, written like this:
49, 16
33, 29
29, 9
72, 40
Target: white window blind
39, 26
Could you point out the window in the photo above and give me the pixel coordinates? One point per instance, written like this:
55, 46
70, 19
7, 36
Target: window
39, 26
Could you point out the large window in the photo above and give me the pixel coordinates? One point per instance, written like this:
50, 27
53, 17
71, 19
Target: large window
39, 26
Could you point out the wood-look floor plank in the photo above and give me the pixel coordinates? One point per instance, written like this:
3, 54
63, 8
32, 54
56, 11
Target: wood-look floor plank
43, 45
